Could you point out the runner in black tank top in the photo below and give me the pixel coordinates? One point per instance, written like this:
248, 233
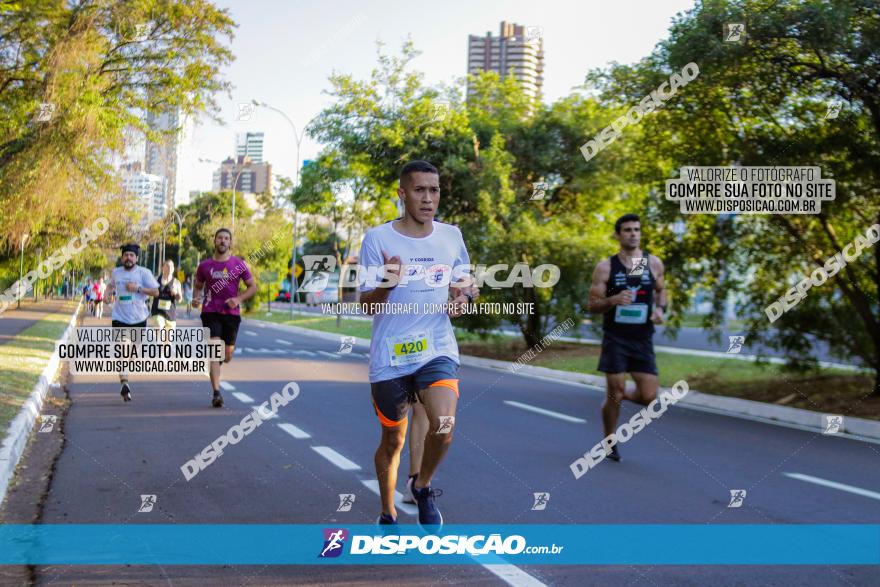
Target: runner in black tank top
630, 321
629, 290
164, 306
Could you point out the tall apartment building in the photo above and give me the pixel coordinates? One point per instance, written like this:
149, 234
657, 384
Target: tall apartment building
517, 50
166, 155
147, 193
254, 178
250, 144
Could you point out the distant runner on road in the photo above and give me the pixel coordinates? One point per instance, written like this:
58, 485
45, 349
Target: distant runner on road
132, 284
100, 290
219, 277
629, 291
170, 294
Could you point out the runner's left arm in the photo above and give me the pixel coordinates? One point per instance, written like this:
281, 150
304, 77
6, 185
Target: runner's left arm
250, 292
149, 285
463, 291
660, 296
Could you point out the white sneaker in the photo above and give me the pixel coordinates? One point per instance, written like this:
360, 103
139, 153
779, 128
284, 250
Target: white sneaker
408, 495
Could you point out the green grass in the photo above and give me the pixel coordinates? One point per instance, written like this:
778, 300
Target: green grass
823, 390
696, 321
23, 359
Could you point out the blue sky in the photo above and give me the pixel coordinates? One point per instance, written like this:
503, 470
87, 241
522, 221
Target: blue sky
286, 49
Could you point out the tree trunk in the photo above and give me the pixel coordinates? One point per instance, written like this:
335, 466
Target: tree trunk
531, 330
876, 335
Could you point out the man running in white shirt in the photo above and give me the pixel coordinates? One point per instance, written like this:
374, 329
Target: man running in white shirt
131, 284
414, 356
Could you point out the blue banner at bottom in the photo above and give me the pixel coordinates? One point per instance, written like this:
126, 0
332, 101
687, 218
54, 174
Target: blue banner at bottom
251, 544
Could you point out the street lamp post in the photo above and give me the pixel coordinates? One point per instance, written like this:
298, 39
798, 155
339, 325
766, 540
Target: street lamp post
179, 233
39, 260
24, 238
234, 183
299, 137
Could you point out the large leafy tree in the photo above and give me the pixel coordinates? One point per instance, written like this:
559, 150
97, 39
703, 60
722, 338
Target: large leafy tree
765, 102
491, 147
77, 77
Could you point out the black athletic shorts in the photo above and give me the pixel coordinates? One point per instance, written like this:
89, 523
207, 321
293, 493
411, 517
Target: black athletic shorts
392, 397
118, 324
223, 326
623, 354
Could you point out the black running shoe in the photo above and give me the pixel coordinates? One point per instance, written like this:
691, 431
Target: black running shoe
217, 402
125, 392
386, 520
613, 455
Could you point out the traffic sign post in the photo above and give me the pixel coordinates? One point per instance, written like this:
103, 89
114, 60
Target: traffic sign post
268, 277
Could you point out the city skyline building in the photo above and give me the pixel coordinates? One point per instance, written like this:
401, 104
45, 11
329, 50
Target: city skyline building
517, 50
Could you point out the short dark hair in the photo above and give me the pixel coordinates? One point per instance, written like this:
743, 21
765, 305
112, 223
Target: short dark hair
626, 218
416, 167
226, 230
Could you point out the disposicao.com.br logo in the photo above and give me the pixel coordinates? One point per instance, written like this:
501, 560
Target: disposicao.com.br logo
453, 544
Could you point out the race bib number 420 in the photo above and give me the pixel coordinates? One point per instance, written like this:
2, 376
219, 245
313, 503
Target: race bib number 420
412, 348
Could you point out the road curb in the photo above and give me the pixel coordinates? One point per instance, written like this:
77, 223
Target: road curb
20, 428
857, 428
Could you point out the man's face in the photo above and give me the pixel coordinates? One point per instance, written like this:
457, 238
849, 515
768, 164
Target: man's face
630, 235
129, 259
222, 242
420, 193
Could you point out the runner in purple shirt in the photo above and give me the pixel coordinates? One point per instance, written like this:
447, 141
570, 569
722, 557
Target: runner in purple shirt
219, 277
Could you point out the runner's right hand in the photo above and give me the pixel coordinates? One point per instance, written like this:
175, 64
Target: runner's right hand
392, 267
623, 298
196, 302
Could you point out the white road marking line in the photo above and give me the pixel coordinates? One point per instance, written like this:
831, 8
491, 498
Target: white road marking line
307, 353
550, 413
834, 485
373, 485
510, 574
242, 397
294, 431
226, 386
237, 351
282, 341
250, 333
329, 355
336, 458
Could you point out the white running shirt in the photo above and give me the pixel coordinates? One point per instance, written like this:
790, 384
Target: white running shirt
403, 342
130, 307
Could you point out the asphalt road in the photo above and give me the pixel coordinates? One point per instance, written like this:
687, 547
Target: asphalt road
13, 321
678, 470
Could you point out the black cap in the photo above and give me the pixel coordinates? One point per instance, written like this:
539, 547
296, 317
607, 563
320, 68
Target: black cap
132, 247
